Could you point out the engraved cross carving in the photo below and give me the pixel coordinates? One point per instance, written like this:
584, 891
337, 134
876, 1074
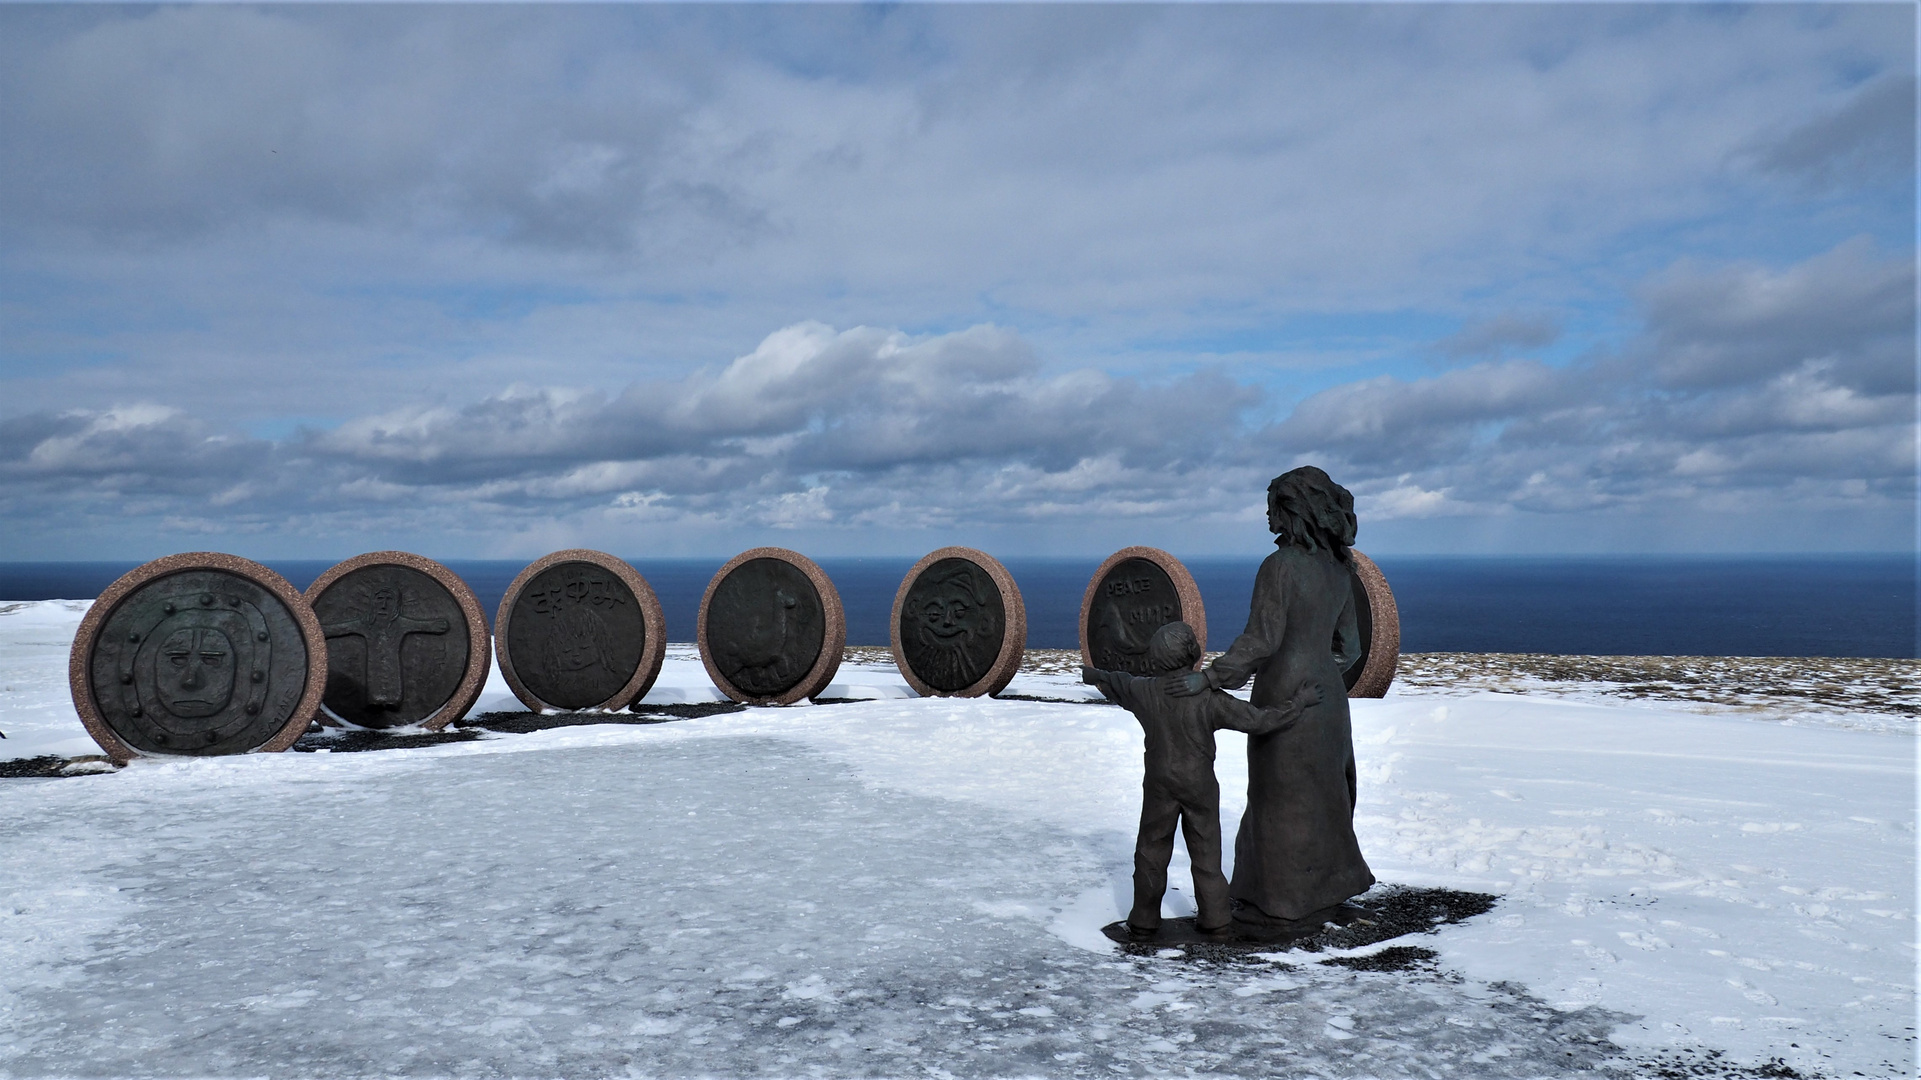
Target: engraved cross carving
384, 628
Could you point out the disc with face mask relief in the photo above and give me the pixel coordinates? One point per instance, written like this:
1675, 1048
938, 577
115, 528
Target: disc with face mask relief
198, 654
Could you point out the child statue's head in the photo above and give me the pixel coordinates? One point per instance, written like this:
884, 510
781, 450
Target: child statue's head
1173, 648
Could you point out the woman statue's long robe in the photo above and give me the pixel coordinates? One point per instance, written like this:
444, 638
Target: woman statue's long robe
1296, 854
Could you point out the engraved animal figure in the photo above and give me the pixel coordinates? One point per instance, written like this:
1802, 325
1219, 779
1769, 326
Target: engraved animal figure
1129, 642
758, 655
383, 627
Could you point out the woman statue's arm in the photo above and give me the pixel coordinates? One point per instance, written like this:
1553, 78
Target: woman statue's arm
1266, 628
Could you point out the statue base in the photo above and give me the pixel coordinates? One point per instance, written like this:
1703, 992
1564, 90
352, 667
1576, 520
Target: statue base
1380, 914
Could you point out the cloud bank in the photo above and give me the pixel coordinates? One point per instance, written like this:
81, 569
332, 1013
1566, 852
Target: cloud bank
1775, 393
310, 278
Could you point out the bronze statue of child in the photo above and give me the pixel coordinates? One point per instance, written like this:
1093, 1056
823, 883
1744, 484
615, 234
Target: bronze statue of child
1179, 786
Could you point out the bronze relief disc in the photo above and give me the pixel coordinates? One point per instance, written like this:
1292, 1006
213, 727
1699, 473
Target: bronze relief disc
1380, 626
579, 629
198, 654
959, 626
771, 629
1135, 592
406, 641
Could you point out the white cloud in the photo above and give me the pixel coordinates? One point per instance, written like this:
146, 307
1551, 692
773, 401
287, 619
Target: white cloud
486, 264
866, 428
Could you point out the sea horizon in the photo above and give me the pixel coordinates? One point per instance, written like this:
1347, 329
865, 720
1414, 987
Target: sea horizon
1859, 604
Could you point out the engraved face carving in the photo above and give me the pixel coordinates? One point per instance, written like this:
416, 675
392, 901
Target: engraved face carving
576, 635
397, 645
194, 676
202, 661
1133, 600
579, 641
765, 626
952, 624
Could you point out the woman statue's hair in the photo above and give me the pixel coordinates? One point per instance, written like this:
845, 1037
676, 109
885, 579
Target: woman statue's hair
1313, 511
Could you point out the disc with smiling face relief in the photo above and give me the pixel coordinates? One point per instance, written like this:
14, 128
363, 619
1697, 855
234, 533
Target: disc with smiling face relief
959, 626
579, 629
1135, 592
406, 641
201, 654
771, 627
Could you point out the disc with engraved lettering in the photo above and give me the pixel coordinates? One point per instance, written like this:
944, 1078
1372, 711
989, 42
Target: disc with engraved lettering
199, 653
406, 641
1380, 624
771, 627
959, 627
1134, 593
580, 629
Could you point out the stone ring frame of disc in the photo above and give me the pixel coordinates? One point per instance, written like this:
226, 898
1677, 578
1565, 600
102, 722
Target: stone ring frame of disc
1384, 639
653, 622
1013, 644
479, 652
80, 659
833, 629
1188, 593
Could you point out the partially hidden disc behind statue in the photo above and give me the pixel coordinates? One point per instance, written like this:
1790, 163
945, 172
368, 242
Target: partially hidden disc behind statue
1134, 592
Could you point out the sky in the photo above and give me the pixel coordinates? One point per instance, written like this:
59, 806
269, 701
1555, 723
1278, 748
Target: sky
488, 281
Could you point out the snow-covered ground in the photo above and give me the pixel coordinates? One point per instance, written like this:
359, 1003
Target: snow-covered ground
904, 885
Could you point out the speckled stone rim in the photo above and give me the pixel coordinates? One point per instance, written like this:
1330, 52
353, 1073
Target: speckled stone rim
652, 652
1384, 647
479, 655
1013, 632
833, 633
1192, 611
80, 659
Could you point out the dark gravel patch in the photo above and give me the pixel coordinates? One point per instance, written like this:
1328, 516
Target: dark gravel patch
360, 740
1392, 958
24, 768
521, 723
1714, 1065
1383, 913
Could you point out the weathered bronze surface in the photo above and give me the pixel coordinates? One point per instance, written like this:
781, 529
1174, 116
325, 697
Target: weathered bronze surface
1131, 601
765, 627
1296, 852
576, 635
398, 645
203, 661
1364, 618
953, 624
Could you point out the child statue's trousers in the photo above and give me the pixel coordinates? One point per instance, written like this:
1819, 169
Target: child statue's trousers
1199, 818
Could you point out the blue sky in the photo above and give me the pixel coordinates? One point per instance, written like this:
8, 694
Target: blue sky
493, 280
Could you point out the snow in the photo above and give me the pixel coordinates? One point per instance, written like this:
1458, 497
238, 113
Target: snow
904, 885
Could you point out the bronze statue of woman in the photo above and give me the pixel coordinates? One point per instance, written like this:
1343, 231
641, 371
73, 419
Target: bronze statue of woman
1295, 857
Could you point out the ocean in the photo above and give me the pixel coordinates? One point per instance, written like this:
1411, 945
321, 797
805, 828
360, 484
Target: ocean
1666, 606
